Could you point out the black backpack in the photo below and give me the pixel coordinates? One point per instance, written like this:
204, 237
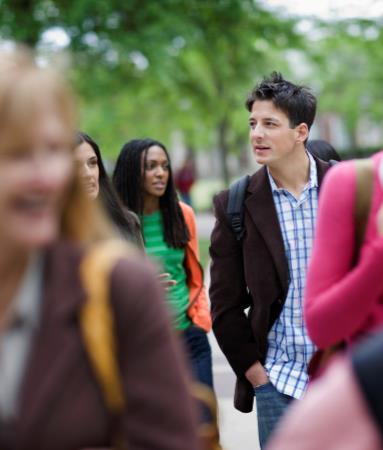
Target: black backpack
235, 210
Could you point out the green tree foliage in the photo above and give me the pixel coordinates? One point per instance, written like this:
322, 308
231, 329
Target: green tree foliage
346, 66
144, 67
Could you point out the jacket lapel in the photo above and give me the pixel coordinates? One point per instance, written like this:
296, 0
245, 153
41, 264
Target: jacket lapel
260, 206
56, 348
322, 168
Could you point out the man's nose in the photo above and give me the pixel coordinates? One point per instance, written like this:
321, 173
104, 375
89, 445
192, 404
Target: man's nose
257, 132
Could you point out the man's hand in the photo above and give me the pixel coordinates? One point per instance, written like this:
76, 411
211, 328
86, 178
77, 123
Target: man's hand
256, 374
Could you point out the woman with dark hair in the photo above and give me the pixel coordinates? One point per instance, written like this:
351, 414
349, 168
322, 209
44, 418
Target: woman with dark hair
143, 179
97, 183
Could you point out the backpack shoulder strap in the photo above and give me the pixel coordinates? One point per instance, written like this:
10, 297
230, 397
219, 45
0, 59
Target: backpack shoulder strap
235, 206
363, 198
97, 320
333, 162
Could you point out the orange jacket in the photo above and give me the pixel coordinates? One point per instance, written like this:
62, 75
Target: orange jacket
198, 309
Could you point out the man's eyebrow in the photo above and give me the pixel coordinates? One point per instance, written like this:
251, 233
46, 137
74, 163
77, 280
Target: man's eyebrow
272, 119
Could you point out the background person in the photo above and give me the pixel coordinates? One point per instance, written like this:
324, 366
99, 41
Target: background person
184, 179
49, 396
97, 184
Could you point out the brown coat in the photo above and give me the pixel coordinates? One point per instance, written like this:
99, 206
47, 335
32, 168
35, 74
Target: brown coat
61, 404
254, 274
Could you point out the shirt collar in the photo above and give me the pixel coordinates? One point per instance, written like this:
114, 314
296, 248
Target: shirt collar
313, 176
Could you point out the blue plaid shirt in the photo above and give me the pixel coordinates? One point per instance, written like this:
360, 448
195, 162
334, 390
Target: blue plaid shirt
289, 347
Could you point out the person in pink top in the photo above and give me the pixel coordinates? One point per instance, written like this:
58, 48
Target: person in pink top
344, 301
342, 410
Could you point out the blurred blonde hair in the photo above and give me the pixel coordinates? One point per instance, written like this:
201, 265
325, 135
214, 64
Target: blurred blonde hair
24, 87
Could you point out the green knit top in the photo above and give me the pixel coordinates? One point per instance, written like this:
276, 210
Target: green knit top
170, 261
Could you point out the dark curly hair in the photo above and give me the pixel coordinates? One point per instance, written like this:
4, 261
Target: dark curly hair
297, 102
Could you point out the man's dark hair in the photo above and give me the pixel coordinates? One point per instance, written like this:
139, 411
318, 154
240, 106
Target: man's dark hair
297, 102
128, 179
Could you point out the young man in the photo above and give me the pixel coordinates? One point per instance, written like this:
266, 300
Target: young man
268, 347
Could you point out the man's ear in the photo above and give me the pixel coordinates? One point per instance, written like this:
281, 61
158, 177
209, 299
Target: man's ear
302, 132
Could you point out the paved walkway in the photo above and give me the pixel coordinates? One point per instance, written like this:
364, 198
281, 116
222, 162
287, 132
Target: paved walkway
238, 430
205, 223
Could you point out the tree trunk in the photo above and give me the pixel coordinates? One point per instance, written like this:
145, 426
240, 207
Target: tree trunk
353, 138
223, 149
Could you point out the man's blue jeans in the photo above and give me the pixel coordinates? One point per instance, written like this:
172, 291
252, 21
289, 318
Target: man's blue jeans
271, 405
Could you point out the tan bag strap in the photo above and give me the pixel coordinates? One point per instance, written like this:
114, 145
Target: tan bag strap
363, 198
98, 330
97, 320
208, 432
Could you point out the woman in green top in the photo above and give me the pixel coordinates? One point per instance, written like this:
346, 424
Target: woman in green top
143, 179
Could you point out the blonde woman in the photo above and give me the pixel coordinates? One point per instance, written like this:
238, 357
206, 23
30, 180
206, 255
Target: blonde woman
49, 396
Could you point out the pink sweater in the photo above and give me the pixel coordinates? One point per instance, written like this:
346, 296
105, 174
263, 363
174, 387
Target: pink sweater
343, 301
332, 416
